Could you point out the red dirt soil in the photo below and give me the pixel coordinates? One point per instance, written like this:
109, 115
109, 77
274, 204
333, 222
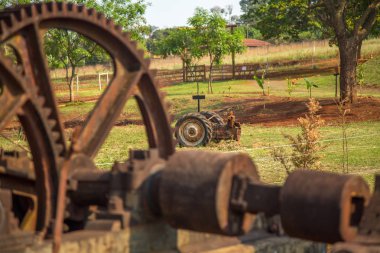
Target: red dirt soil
284, 111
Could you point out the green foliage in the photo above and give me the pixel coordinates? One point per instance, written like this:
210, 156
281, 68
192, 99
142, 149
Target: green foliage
155, 40
211, 34
360, 76
279, 20
260, 82
294, 20
310, 85
180, 42
213, 39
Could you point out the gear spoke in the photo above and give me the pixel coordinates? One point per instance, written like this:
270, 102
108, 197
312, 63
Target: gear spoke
10, 105
150, 131
106, 111
28, 44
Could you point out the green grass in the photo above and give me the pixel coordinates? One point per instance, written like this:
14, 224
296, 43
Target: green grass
372, 72
364, 154
363, 145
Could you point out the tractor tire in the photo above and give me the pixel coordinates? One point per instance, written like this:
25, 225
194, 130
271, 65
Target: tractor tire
193, 130
213, 117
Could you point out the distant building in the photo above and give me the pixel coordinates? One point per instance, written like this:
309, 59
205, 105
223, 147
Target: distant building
252, 43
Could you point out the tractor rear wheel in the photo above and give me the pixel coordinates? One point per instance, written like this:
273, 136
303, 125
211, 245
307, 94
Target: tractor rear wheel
213, 117
193, 129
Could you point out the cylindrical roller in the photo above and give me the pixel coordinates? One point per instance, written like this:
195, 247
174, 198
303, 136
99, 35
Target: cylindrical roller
195, 189
89, 187
323, 207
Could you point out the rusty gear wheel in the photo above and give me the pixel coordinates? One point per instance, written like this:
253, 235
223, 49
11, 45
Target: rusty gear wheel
28, 94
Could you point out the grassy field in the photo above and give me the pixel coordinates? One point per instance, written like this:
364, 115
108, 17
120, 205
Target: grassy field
257, 141
326, 84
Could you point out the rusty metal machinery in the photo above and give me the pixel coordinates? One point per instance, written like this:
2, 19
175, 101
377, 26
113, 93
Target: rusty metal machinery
198, 129
57, 189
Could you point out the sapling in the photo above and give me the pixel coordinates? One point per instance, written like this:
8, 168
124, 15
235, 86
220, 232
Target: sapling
310, 85
305, 146
260, 82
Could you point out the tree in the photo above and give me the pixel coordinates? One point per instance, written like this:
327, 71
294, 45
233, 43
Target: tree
347, 23
181, 42
281, 21
351, 22
69, 50
156, 38
235, 44
306, 146
213, 38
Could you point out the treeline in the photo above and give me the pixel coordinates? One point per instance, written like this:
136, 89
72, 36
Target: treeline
345, 23
208, 34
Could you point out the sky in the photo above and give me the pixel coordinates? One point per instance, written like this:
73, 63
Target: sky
169, 13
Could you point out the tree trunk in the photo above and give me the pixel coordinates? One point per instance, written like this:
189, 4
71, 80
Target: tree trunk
68, 82
71, 84
348, 50
210, 77
233, 64
184, 70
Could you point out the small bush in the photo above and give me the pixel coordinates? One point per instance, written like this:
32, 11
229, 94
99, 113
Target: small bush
305, 146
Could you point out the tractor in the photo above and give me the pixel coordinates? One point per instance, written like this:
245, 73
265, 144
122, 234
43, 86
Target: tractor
199, 129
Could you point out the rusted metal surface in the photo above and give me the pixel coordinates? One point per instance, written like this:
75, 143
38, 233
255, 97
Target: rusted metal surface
198, 129
323, 206
368, 239
202, 201
58, 189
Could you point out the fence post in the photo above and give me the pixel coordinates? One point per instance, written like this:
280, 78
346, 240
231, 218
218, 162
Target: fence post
100, 83
107, 79
77, 83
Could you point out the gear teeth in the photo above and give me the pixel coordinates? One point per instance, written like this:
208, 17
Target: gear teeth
101, 18
133, 43
126, 36
56, 136
118, 28
110, 23
59, 6
52, 123
23, 14
3, 26
68, 7
59, 148
41, 101
13, 19
91, 12
37, 9
47, 111
81, 8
